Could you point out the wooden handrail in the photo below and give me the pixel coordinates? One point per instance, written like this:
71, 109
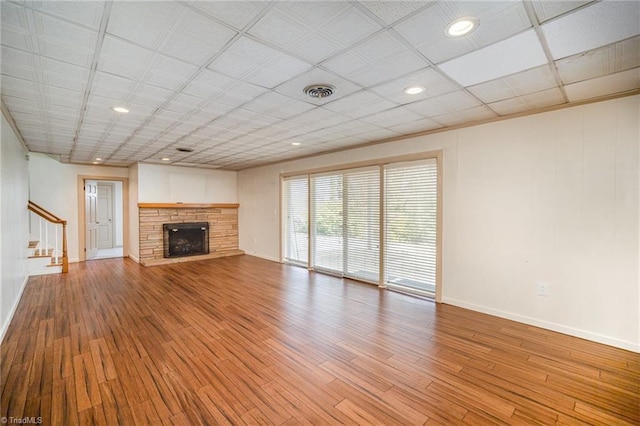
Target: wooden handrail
50, 217
43, 213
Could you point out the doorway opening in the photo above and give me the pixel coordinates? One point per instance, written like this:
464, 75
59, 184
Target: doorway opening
103, 217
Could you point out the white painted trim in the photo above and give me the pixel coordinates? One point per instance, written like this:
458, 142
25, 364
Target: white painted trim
75, 260
576, 332
5, 326
135, 259
272, 259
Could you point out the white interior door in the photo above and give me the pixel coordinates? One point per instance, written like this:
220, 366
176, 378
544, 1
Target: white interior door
105, 216
91, 217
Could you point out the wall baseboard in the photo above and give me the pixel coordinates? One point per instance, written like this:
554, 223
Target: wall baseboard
12, 312
135, 259
576, 332
273, 259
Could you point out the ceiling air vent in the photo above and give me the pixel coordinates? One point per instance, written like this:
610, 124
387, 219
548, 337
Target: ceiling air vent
184, 149
320, 90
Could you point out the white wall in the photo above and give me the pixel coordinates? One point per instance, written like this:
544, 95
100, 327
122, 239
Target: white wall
54, 186
551, 198
173, 184
14, 219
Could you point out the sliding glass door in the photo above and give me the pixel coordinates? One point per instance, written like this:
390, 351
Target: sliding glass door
377, 224
362, 218
410, 213
295, 197
327, 226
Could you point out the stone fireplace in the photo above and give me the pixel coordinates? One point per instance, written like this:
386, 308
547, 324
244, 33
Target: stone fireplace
187, 219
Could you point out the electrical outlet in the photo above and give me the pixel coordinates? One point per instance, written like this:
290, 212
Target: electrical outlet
543, 289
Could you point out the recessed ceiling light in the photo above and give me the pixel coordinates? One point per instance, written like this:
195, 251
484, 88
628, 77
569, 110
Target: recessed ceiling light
461, 26
414, 90
98, 159
122, 110
295, 143
165, 159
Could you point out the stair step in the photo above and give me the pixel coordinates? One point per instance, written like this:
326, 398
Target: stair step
46, 253
33, 244
53, 263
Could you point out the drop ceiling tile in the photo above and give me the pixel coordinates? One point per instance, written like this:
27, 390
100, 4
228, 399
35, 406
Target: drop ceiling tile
522, 83
392, 11
422, 125
18, 39
433, 82
498, 20
599, 62
294, 88
168, 73
22, 105
277, 28
470, 115
510, 56
360, 104
235, 13
313, 14
258, 63
18, 64
382, 57
144, 25
124, 59
350, 26
59, 96
13, 16
112, 86
208, 83
59, 32
65, 53
320, 118
443, 104
187, 49
20, 88
377, 135
315, 47
277, 70
527, 102
591, 27
355, 127
601, 86
87, 14
392, 117
197, 38
546, 10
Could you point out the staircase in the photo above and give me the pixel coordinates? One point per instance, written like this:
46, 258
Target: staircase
47, 249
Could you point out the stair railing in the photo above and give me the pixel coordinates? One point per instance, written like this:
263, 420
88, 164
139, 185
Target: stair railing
46, 218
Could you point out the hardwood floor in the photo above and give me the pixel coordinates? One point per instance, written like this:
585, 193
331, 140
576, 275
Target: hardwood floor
243, 340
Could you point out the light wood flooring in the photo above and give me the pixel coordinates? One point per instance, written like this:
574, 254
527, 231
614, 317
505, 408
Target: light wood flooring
242, 340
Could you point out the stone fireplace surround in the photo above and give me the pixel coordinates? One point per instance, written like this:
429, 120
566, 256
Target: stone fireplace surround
223, 229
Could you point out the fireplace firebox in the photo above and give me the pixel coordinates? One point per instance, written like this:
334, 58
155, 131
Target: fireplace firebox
185, 239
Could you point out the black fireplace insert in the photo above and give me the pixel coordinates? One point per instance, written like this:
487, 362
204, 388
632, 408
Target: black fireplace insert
185, 239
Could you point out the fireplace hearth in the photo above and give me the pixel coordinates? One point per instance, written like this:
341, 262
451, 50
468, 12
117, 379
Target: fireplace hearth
185, 239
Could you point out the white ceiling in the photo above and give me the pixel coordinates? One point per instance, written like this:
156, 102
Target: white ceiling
226, 79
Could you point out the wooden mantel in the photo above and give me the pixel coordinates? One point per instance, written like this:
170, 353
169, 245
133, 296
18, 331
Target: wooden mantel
188, 205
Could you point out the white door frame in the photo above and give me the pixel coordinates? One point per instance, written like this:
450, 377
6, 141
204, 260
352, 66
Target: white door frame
81, 213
